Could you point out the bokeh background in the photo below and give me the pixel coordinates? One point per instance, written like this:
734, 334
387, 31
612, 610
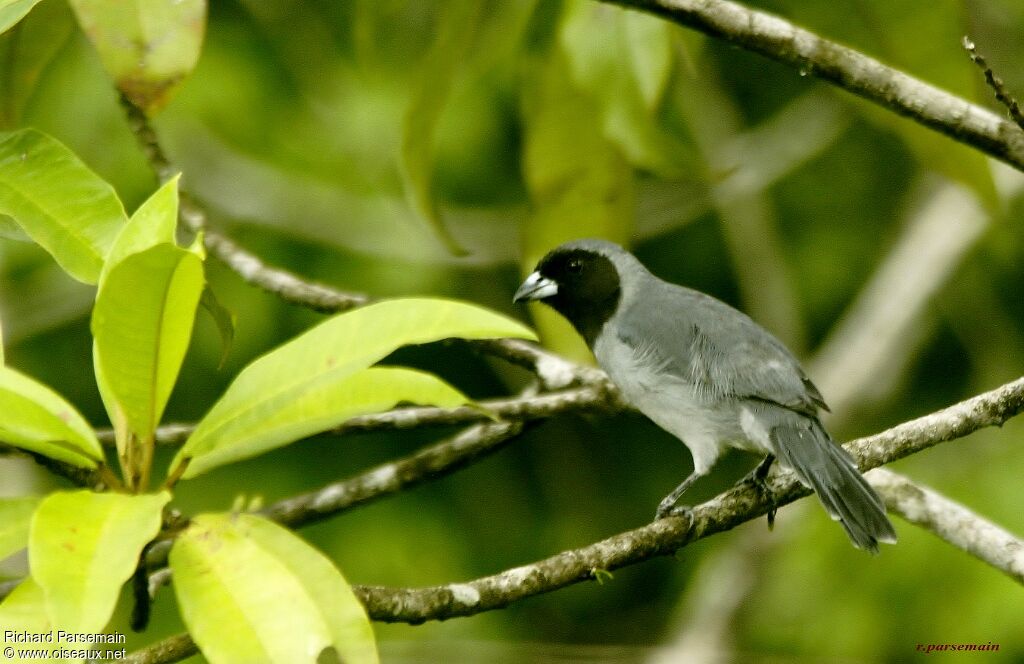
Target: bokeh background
887, 256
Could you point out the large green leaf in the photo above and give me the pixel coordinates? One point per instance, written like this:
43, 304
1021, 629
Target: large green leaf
351, 633
316, 406
83, 546
250, 591
306, 369
147, 47
579, 181
35, 418
434, 82
15, 515
12, 11
65, 207
1, 344
243, 603
142, 324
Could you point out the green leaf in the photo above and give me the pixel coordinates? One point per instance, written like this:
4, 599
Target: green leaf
244, 601
622, 60
35, 418
24, 610
61, 204
317, 406
1, 344
26, 53
83, 546
649, 47
222, 318
142, 324
434, 83
344, 614
306, 369
12, 11
10, 230
147, 47
15, 515
579, 181
301, 604
153, 223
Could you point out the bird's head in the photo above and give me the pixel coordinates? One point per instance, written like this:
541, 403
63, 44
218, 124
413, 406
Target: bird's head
582, 280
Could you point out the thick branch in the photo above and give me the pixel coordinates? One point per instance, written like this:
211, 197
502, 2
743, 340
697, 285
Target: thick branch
664, 537
780, 40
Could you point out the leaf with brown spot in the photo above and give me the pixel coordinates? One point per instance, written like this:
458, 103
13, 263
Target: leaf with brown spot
147, 47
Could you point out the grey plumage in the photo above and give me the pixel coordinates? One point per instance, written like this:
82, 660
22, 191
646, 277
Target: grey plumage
710, 375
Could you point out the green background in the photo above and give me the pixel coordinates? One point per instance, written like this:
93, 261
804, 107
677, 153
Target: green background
723, 171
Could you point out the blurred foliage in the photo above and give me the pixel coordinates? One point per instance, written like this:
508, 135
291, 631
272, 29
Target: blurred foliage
559, 119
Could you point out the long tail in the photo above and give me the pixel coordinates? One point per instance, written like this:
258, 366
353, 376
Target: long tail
828, 469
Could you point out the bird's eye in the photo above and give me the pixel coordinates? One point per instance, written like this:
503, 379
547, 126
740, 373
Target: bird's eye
575, 266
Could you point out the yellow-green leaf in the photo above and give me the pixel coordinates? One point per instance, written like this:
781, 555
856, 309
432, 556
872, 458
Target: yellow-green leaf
300, 605
15, 515
309, 408
142, 324
12, 11
83, 546
306, 369
153, 223
35, 418
61, 204
239, 601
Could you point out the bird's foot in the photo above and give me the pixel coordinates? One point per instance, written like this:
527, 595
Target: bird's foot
760, 484
667, 509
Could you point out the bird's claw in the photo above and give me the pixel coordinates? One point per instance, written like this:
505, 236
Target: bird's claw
761, 486
666, 509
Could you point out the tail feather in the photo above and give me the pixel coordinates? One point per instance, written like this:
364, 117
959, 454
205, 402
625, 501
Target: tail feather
827, 468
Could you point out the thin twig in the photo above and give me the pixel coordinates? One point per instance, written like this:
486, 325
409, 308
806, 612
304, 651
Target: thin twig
434, 461
1003, 96
664, 537
592, 398
780, 40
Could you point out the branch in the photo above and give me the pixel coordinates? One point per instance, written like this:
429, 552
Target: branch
597, 397
952, 522
100, 478
435, 461
780, 40
1002, 94
663, 537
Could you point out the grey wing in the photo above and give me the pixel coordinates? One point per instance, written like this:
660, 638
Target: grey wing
720, 350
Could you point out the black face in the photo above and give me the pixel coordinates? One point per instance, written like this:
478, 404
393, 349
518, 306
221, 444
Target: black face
588, 288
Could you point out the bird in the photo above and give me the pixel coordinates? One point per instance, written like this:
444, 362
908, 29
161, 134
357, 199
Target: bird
708, 374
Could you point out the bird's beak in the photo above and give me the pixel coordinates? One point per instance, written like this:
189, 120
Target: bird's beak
536, 287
